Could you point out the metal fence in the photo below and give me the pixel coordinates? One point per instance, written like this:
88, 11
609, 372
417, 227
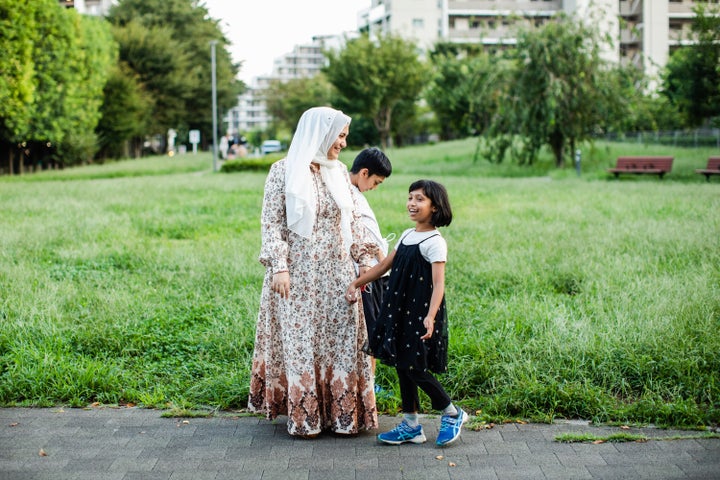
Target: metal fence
701, 137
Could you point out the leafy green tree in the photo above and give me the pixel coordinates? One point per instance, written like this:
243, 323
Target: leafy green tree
168, 44
17, 36
58, 63
159, 63
465, 90
559, 92
643, 110
126, 114
692, 76
94, 54
56, 60
287, 100
373, 77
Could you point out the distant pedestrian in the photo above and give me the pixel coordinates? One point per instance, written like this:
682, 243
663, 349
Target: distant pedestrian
224, 147
411, 333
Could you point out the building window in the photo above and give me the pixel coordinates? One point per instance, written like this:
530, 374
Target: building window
418, 23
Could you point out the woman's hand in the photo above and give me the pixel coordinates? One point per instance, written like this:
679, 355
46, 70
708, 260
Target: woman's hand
429, 324
281, 284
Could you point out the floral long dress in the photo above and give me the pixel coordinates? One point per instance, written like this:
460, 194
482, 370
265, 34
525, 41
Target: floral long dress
308, 361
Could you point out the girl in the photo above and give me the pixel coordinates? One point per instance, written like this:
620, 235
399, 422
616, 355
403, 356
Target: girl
411, 330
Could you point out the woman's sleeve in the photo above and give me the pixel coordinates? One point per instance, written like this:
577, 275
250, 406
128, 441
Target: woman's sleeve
274, 247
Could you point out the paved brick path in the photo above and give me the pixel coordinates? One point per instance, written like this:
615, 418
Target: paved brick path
131, 443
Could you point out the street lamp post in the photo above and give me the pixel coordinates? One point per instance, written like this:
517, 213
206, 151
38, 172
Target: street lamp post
214, 105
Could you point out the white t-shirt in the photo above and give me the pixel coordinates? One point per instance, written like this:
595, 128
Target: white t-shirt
433, 250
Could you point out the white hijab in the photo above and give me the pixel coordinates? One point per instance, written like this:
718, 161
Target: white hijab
316, 132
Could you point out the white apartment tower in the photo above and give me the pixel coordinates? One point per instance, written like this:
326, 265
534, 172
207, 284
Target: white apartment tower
304, 61
645, 31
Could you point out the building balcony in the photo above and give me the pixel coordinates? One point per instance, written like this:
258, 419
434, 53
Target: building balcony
481, 33
629, 37
629, 8
683, 9
505, 5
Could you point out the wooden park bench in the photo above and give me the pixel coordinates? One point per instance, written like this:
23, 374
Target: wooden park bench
640, 165
713, 168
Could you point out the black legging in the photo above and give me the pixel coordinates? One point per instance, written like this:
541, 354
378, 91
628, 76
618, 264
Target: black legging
410, 380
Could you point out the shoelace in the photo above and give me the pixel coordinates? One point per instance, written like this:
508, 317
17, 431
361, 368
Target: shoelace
404, 427
447, 421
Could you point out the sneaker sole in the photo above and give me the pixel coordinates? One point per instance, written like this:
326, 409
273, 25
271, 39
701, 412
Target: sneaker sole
465, 419
417, 440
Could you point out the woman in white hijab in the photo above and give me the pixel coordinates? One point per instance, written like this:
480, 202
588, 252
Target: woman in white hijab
308, 361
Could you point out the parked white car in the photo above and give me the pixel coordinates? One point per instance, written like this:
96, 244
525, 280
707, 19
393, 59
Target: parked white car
270, 146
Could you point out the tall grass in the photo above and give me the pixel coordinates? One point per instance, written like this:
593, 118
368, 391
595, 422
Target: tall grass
568, 297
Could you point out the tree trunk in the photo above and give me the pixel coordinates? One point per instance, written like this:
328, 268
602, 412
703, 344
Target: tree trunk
382, 122
557, 141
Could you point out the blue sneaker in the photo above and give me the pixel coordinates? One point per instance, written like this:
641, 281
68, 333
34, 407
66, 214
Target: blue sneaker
403, 433
450, 428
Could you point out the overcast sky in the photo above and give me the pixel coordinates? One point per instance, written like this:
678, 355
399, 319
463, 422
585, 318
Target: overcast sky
262, 30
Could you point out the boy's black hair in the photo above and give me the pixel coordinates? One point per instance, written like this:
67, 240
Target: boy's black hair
374, 160
439, 198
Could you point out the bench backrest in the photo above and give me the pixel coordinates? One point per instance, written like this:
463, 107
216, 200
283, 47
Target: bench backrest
713, 163
645, 163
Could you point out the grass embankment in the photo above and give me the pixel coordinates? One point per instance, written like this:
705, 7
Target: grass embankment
568, 297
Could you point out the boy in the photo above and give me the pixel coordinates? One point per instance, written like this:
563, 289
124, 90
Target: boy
369, 169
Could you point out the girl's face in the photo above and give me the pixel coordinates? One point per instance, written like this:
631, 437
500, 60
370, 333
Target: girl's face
420, 207
339, 144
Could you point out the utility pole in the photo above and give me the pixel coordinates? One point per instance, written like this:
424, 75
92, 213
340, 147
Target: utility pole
214, 105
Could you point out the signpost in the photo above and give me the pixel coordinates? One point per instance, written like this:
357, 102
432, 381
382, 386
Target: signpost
194, 139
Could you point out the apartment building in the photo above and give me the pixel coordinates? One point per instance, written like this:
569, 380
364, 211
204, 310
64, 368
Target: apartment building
645, 31
250, 112
304, 61
653, 29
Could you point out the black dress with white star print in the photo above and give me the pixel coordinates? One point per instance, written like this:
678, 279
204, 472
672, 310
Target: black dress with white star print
396, 337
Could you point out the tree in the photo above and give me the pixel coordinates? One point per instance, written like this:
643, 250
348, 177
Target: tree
643, 110
57, 63
692, 76
559, 93
465, 90
167, 44
126, 114
17, 27
287, 100
374, 77
160, 64
94, 54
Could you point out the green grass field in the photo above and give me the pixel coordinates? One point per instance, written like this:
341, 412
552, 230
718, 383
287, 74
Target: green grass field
138, 282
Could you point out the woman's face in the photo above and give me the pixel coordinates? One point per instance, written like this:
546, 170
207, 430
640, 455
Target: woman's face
339, 144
